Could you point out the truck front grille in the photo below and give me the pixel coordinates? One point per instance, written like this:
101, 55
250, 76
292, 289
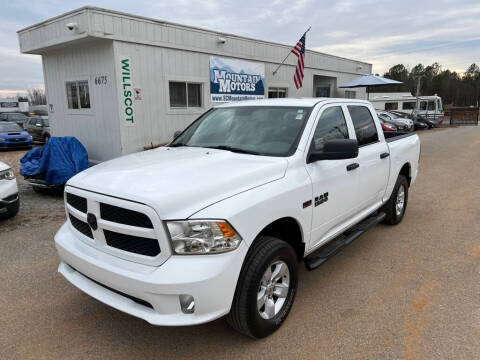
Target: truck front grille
134, 244
124, 216
140, 237
78, 202
81, 226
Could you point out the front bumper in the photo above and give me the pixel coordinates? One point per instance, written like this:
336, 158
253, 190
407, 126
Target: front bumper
9, 144
8, 194
210, 279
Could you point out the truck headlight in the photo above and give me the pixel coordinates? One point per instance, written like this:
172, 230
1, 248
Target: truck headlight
7, 174
202, 236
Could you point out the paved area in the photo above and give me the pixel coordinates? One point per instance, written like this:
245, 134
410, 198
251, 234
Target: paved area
406, 292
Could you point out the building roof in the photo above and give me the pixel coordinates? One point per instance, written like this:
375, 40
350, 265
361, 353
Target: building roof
72, 13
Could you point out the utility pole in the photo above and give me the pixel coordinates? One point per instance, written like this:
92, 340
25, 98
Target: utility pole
417, 94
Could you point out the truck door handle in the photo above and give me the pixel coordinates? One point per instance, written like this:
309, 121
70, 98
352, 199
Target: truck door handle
352, 166
384, 155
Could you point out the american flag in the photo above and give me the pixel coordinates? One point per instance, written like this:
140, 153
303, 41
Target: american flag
299, 51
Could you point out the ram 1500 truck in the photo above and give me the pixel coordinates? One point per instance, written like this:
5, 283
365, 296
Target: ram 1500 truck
217, 222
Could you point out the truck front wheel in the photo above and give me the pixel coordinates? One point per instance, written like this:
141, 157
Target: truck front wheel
266, 288
396, 205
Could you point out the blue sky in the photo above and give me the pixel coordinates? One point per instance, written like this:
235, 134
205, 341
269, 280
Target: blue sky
383, 33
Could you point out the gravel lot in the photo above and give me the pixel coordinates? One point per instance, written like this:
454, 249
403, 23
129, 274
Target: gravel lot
35, 209
411, 291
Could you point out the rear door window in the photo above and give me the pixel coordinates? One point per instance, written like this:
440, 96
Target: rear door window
364, 125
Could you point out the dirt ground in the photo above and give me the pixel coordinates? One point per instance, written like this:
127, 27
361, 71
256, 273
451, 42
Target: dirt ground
410, 291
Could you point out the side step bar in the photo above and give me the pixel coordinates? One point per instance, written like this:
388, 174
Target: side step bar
321, 255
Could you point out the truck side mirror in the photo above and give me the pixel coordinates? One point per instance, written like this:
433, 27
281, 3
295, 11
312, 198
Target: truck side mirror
335, 150
177, 134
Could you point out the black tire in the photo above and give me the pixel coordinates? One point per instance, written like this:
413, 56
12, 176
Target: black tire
244, 315
12, 210
39, 190
390, 208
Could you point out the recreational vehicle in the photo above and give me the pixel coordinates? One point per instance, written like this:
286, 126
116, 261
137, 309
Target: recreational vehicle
19, 105
430, 107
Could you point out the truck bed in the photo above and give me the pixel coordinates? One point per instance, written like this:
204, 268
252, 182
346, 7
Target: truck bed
394, 136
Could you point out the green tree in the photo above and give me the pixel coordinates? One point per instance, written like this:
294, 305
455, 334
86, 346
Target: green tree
397, 72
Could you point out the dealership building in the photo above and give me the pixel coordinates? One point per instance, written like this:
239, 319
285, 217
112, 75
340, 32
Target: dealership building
120, 82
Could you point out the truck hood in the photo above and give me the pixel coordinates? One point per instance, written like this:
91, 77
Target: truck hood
177, 182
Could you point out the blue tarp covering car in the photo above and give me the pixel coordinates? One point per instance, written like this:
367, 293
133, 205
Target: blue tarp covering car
56, 162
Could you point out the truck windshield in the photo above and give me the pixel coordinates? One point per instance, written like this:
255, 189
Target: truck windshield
439, 105
259, 130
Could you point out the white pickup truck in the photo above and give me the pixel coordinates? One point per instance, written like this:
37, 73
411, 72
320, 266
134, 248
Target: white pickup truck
217, 222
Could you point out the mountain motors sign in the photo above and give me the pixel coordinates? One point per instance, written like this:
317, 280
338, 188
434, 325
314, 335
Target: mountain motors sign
235, 80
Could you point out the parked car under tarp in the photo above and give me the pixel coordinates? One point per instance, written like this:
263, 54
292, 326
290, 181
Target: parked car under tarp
53, 164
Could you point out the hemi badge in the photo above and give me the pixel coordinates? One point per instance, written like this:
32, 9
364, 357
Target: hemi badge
307, 204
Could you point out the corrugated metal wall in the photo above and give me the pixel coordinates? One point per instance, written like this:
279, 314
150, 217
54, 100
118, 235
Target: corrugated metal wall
54, 31
98, 127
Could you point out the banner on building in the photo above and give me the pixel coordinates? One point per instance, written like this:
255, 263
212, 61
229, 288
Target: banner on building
236, 80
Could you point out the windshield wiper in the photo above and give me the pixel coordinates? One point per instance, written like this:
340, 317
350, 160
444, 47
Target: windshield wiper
234, 149
177, 145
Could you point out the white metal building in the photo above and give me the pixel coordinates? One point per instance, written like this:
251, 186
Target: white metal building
119, 82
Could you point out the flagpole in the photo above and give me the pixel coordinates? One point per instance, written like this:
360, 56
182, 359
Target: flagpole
278, 67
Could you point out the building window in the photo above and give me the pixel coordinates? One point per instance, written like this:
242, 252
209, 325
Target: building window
391, 106
78, 94
274, 93
410, 105
349, 94
185, 95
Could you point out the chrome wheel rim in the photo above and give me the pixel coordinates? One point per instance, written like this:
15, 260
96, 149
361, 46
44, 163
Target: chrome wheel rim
400, 200
273, 289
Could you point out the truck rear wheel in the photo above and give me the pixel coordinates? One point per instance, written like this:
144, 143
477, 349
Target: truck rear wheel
397, 204
266, 288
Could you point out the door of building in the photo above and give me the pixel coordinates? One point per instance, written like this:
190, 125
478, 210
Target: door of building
322, 91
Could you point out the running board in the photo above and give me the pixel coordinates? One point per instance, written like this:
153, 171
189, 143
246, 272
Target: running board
324, 253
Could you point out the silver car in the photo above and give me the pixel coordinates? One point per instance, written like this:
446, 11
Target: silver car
403, 124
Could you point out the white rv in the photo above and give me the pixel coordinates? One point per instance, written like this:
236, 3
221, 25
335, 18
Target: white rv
19, 105
428, 106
